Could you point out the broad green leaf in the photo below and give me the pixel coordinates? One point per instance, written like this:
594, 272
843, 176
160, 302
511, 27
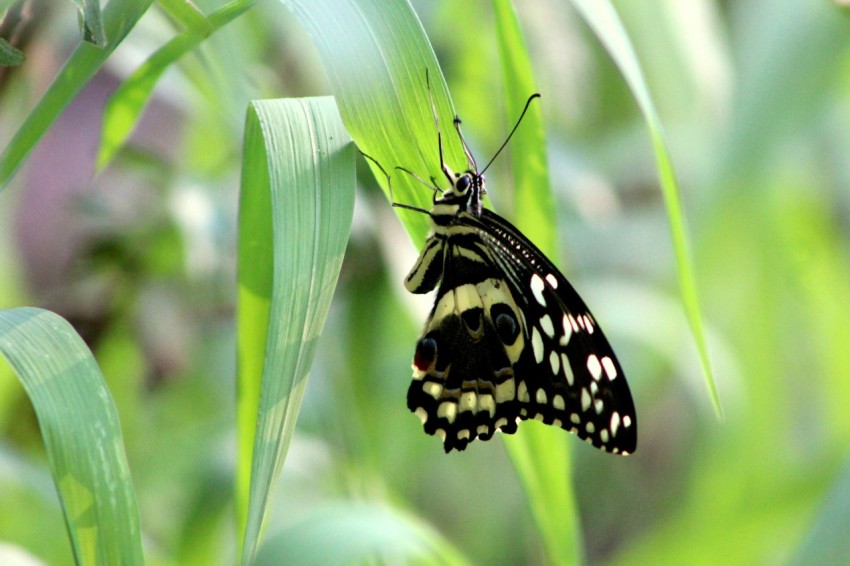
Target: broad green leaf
375, 55
539, 453
81, 432
356, 533
295, 214
602, 18
127, 102
118, 19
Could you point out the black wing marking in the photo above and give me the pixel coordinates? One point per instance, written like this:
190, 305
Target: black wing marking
568, 374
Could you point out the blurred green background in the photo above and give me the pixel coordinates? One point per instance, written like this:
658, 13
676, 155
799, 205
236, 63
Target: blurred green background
755, 99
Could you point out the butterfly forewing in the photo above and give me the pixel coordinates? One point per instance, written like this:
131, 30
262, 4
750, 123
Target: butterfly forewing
569, 375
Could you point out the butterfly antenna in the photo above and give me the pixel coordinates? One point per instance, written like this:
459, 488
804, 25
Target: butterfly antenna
390, 185
446, 171
474, 166
518, 122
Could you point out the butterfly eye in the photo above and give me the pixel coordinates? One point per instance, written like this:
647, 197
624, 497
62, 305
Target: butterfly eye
505, 322
463, 183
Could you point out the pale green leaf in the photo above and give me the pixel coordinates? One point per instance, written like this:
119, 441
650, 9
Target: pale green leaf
295, 214
81, 432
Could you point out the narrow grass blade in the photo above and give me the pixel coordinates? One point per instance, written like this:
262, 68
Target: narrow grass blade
603, 19
540, 454
82, 434
295, 215
118, 19
188, 14
127, 102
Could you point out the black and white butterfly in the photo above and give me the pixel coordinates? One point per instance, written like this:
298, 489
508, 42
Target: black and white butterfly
508, 337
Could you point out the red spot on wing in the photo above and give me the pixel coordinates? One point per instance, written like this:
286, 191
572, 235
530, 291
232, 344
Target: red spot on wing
426, 351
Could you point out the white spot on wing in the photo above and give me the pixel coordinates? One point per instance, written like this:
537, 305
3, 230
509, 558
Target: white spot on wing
467, 401
568, 331
558, 402
537, 345
547, 326
615, 423
608, 366
627, 421
433, 389
553, 281
590, 428
568, 371
486, 403
522, 392
540, 397
447, 410
554, 362
537, 289
585, 399
588, 324
422, 414
594, 367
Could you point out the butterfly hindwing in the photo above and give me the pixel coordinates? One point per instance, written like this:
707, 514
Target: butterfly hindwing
464, 382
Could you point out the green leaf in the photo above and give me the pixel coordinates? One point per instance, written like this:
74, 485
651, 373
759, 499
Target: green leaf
540, 453
9, 56
91, 22
118, 19
375, 55
188, 14
295, 214
127, 102
81, 431
602, 18
355, 533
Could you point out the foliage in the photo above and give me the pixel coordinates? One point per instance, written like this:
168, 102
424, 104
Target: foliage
133, 238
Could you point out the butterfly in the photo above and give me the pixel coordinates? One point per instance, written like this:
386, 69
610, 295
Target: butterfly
508, 338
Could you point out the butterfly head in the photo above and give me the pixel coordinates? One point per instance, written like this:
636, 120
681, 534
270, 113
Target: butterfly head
465, 193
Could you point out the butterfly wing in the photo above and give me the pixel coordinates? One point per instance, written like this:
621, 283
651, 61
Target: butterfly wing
568, 375
464, 383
